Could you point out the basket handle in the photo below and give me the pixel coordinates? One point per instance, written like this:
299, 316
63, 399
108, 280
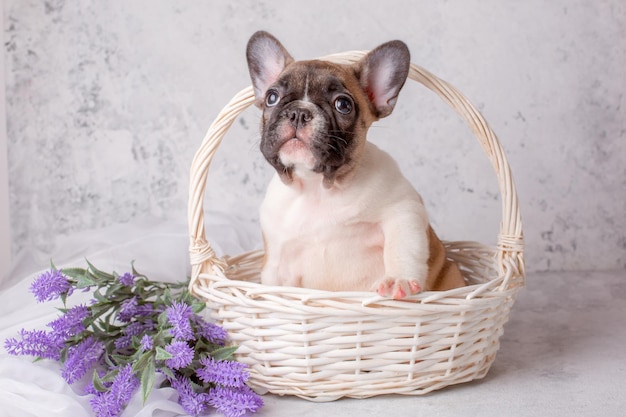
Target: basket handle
510, 245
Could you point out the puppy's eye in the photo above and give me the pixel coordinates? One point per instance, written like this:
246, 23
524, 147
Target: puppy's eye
272, 98
343, 105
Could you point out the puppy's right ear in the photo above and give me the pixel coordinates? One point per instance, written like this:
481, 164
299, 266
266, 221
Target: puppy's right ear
267, 58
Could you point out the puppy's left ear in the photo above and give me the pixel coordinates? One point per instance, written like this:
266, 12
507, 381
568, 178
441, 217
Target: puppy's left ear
267, 58
382, 73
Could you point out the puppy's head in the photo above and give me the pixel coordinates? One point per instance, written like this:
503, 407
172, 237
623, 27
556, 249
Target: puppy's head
315, 113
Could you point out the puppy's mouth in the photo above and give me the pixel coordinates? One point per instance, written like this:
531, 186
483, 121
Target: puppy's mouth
293, 144
296, 153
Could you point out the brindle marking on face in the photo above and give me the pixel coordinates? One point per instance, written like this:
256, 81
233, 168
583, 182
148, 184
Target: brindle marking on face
335, 137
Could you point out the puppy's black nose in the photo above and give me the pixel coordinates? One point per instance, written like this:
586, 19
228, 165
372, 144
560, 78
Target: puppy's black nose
299, 117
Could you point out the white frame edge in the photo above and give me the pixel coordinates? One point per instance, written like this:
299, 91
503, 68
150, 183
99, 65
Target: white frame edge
5, 223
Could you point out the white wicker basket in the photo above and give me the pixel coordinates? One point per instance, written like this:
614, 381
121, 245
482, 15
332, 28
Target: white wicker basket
323, 345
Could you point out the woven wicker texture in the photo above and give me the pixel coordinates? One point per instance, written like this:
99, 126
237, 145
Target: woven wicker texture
323, 345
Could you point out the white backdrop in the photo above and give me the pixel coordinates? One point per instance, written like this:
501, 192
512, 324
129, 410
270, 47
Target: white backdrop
5, 239
108, 101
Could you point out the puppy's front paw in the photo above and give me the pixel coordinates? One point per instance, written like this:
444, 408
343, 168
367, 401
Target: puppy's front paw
397, 288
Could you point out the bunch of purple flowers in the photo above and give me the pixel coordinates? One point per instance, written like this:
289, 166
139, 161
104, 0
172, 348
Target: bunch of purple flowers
134, 329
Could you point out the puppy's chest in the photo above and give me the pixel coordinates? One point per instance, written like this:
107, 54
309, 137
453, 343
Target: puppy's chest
321, 221
321, 244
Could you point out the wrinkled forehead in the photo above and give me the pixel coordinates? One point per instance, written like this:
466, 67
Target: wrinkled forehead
306, 78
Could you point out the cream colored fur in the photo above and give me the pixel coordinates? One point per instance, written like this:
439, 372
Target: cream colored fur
368, 229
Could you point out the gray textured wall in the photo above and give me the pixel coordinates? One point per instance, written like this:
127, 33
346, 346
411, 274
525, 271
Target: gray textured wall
107, 102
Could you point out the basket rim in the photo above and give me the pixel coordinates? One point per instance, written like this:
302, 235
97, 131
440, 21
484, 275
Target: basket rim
219, 279
510, 241
460, 299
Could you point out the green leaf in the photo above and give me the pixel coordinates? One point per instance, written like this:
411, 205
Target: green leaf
223, 353
109, 362
162, 320
203, 346
167, 372
197, 307
99, 309
99, 297
112, 289
119, 358
83, 281
97, 382
162, 338
147, 379
162, 354
74, 272
101, 275
167, 297
136, 273
142, 362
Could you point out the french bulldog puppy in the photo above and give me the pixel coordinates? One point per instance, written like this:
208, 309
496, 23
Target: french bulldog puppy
338, 214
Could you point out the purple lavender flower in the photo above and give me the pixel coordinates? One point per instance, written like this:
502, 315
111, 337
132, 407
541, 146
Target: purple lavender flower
50, 285
124, 385
144, 310
178, 315
70, 324
128, 310
147, 343
212, 332
34, 343
123, 342
234, 402
227, 373
80, 358
127, 279
104, 405
182, 354
91, 389
131, 308
192, 402
135, 328
134, 331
